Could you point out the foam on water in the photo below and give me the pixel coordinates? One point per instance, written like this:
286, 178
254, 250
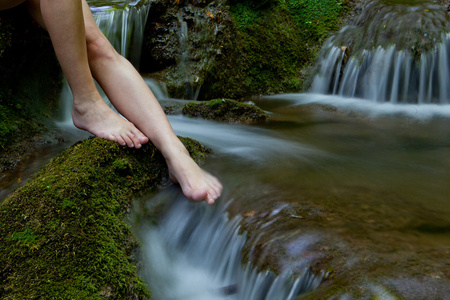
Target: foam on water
368, 108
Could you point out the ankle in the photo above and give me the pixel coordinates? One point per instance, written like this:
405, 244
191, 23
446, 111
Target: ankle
82, 104
172, 149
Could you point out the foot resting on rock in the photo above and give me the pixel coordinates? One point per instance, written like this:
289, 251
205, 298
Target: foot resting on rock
96, 117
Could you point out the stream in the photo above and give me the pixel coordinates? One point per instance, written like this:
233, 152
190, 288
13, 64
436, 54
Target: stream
366, 183
344, 188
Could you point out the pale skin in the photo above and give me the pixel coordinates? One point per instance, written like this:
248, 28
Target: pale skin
84, 54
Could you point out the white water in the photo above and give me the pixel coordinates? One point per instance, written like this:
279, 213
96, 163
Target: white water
195, 253
387, 75
124, 28
249, 143
366, 107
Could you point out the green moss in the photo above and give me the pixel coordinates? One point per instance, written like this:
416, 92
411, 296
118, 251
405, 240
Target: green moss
316, 19
274, 41
63, 234
225, 110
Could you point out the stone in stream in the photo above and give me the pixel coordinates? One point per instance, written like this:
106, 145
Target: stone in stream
226, 110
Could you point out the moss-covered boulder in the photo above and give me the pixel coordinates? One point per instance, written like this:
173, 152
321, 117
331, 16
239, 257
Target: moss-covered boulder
226, 110
63, 235
234, 49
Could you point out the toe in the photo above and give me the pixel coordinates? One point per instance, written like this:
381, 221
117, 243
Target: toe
215, 187
128, 141
136, 142
119, 140
210, 199
140, 136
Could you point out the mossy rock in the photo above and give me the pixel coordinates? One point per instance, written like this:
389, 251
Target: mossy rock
236, 49
63, 234
226, 110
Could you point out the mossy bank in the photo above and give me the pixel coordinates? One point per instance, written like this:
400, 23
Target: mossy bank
63, 234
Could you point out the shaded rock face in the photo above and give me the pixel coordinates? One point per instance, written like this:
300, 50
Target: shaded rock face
30, 77
182, 39
226, 110
63, 234
27, 58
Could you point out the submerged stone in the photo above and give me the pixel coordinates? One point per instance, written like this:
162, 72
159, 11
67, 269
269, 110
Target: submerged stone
226, 110
63, 234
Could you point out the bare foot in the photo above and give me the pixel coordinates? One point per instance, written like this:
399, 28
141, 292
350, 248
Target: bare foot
196, 184
96, 117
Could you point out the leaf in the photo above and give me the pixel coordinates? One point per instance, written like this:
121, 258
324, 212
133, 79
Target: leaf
209, 14
249, 214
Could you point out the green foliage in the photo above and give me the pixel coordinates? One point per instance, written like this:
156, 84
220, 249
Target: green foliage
245, 16
316, 17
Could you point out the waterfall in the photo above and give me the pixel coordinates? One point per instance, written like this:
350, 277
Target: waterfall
195, 253
406, 65
124, 26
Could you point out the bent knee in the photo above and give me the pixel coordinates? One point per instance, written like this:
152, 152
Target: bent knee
99, 48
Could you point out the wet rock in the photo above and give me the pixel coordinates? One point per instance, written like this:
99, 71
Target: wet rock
174, 107
63, 234
182, 39
226, 110
234, 49
384, 256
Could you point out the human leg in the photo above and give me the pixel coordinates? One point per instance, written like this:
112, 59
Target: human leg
65, 23
125, 88
132, 97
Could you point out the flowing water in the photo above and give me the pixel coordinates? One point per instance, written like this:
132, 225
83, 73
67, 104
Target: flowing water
345, 187
353, 175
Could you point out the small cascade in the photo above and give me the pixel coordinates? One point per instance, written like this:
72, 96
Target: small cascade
406, 65
124, 28
192, 88
195, 253
196, 32
123, 25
